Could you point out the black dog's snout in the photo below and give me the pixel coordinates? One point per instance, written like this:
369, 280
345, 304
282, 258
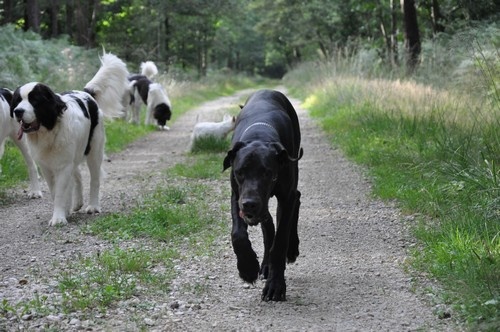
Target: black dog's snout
19, 113
249, 205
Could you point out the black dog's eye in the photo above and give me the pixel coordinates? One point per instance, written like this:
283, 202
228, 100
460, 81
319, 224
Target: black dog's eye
238, 174
269, 175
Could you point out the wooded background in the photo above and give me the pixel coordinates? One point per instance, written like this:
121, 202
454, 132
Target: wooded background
258, 36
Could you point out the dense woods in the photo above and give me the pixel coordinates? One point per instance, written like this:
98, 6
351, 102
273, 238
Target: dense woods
409, 89
260, 36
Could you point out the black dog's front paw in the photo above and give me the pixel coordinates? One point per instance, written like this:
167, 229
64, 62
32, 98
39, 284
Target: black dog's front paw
248, 268
264, 271
293, 251
275, 290
248, 265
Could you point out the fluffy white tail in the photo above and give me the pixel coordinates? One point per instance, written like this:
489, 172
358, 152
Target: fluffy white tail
109, 85
149, 69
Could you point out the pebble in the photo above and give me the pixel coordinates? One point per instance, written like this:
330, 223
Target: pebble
149, 322
75, 322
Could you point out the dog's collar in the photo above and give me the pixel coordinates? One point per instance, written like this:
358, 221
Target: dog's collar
258, 124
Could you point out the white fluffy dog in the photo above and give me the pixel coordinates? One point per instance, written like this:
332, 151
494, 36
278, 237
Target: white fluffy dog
9, 127
214, 129
63, 130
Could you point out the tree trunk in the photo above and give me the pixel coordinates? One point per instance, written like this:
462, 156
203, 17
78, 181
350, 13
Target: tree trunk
394, 33
85, 21
53, 10
91, 32
385, 35
7, 12
31, 16
412, 34
436, 18
70, 18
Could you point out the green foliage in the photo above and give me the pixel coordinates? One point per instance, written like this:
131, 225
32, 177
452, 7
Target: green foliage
27, 58
437, 153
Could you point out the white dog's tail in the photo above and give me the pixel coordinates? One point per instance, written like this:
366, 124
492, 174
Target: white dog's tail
109, 85
149, 69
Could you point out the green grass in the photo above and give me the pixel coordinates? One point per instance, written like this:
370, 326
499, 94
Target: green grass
201, 166
166, 215
437, 155
120, 133
210, 144
13, 170
94, 283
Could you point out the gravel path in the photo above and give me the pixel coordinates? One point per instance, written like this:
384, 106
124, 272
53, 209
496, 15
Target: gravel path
349, 275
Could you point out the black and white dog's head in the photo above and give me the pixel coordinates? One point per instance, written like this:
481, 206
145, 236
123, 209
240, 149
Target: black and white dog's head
160, 104
162, 114
35, 105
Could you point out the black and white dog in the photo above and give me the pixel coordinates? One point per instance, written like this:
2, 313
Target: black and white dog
9, 127
144, 91
264, 163
63, 130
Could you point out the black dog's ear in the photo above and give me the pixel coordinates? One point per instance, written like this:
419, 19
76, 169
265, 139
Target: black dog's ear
281, 152
283, 156
228, 160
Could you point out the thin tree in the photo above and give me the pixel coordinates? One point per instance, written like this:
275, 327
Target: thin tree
7, 16
412, 34
31, 16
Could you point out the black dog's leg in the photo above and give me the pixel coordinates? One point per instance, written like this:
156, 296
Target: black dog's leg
268, 235
248, 265
293, 245
275, 288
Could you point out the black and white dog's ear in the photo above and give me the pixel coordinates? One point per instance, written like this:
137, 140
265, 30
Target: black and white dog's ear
45, 98
228, 160
7, 95
15, 100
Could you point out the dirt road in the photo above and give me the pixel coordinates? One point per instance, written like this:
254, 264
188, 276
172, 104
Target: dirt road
349, 275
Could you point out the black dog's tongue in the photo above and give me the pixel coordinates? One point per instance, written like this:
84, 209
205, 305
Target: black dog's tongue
20, 132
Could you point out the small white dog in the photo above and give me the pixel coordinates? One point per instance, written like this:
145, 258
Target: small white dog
9, 127
214, 129
63, 130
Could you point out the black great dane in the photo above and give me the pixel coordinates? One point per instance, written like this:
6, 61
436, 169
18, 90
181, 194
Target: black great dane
264, 160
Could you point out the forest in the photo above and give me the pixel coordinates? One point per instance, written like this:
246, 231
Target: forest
256, 37
409, 90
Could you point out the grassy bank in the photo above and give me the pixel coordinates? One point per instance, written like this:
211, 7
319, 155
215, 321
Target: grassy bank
437, 152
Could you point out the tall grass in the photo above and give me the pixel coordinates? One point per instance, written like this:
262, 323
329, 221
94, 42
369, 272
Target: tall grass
437, 151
